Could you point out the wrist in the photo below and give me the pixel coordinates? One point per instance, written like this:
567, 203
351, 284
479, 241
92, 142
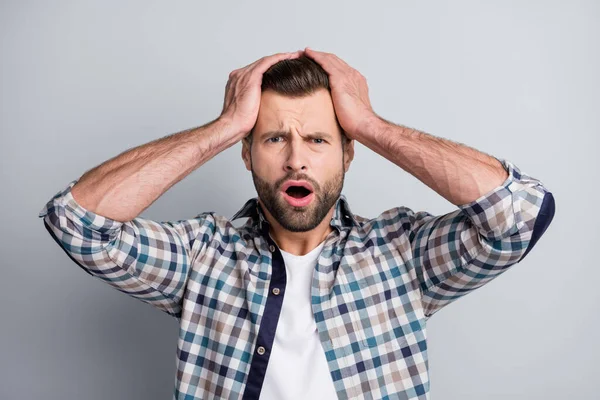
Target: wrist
233, 127
228, 128
370, 127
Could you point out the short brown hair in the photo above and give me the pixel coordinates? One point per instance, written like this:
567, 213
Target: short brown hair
296, 77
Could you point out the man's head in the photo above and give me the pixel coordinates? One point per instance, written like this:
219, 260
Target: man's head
297, 137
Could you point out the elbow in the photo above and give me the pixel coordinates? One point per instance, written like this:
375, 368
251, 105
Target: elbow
61, 245
542, 221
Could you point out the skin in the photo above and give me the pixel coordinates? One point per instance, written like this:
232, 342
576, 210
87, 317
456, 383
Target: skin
457, 172
122, 187
286, 146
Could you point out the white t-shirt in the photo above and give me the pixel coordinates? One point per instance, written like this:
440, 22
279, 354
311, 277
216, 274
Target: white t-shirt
297, 366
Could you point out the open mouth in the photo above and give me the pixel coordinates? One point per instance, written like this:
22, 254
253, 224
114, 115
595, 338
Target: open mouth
298, 192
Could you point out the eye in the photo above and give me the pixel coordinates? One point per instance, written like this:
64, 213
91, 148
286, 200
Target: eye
272, 140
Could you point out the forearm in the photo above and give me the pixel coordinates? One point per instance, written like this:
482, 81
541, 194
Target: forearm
124, 186
457, 172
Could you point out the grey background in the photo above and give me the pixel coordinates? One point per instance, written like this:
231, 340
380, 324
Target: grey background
84, 81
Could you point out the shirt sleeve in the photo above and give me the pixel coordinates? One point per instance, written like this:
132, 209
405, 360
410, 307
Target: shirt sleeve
145, 259
458, 252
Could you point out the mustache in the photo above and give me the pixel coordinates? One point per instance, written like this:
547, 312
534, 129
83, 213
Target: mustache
297, 177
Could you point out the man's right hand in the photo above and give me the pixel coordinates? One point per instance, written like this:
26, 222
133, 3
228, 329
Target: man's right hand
243, 92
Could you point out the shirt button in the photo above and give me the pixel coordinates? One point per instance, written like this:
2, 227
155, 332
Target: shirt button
272, 248
275, 291
260, 350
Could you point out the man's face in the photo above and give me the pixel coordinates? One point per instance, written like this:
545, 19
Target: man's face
297, 139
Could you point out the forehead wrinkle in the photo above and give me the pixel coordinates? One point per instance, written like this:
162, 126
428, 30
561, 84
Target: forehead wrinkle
312, 135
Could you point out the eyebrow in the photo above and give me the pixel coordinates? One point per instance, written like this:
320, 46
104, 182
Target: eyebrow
312, 135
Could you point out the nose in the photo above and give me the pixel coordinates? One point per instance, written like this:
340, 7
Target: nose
296, 160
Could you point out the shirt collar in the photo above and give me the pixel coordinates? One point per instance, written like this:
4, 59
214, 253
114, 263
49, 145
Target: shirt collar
342, 215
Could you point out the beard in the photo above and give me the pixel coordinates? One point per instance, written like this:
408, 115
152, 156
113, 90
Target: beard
299, 219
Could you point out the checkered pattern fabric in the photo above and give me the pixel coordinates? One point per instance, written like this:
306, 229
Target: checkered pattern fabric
376, 283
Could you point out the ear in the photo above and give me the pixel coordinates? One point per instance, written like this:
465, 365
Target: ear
348, 154
246, 154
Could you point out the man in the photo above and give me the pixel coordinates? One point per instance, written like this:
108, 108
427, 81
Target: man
306, 299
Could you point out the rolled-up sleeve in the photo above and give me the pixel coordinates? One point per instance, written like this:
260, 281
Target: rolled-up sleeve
458, 252
145, 259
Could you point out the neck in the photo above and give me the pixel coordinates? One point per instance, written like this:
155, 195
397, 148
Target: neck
299, 243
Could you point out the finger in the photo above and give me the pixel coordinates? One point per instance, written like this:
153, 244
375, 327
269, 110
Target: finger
329, 61
278, 56
318, 54
256, 71
266, 62
330, 57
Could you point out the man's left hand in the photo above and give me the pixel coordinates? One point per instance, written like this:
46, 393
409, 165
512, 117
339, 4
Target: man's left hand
349, 92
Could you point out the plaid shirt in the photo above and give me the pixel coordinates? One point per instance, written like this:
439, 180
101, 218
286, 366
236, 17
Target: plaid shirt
376, 283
